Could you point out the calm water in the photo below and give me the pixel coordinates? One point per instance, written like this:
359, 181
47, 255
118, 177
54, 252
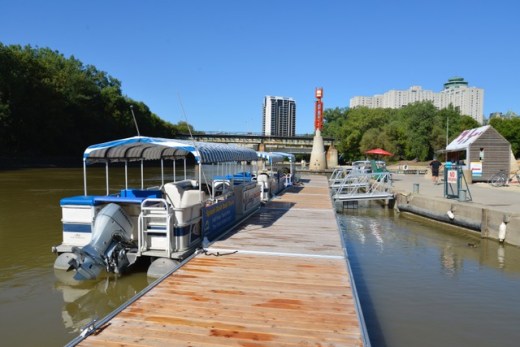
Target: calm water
419, 284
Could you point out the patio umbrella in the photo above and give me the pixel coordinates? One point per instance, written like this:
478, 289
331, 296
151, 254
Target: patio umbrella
378, 151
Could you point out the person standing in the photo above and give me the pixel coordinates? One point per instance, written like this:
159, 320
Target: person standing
435, 165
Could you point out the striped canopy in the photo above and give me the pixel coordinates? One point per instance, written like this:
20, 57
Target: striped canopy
275, 157
287, 156
153, 148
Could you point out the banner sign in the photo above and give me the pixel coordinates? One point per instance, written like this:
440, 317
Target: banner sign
218, 217
476, 168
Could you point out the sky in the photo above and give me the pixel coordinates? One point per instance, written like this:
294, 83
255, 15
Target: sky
211, 63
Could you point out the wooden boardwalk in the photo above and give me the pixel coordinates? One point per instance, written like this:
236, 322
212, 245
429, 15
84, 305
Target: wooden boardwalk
280, 279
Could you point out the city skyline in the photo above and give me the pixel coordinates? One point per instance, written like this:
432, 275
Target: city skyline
202, 53
455, 92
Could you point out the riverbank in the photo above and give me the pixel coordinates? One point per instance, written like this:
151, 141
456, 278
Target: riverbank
29, 162
488, 209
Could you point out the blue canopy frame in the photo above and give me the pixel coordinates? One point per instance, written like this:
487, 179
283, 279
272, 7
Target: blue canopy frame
141, 148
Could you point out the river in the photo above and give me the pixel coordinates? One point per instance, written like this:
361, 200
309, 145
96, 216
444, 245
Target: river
424, 284
419, 284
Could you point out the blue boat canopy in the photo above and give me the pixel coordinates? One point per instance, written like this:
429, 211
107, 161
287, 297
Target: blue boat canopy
154, 148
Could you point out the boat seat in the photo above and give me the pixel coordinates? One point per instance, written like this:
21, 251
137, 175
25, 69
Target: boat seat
173, 193
186, 201
191, 197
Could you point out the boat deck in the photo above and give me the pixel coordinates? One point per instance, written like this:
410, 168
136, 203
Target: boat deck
279, 279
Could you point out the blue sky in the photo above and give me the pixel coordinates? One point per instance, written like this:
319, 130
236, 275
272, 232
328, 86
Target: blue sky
220, 58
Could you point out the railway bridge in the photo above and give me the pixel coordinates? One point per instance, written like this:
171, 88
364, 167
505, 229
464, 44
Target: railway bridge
294, 145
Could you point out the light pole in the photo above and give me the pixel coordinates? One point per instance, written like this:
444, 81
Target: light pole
447, 123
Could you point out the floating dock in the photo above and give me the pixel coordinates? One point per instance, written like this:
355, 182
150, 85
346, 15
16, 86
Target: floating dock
279, 279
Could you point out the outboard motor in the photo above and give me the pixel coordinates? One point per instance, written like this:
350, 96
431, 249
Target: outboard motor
111, 239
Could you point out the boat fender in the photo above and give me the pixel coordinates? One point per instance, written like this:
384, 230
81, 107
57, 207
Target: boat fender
502, 232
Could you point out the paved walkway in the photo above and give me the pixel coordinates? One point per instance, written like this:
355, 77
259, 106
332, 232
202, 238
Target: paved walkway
504, 199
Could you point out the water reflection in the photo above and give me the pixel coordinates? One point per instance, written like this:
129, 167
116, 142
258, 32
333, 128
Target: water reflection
450, 262
84, 301
501, 256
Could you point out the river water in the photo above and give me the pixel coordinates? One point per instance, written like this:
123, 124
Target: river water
419, 284
424, 284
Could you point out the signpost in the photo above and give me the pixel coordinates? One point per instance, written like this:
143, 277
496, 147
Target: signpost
454, 184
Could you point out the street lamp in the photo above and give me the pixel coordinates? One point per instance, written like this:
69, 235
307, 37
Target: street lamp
447, 123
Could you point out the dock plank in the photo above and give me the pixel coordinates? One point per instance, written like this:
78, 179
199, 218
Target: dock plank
280, 279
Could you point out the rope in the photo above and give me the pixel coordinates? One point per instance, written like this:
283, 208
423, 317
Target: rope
216, 254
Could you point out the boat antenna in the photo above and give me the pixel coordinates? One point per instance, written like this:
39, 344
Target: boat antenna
135, 120
203, 178
185, 118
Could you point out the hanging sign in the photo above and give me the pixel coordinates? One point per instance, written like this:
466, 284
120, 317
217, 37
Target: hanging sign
452, 176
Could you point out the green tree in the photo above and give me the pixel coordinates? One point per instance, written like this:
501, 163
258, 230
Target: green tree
416, 131
510, 130
53, 105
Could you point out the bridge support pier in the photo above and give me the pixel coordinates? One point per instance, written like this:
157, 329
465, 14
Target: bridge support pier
332, 157
318, 161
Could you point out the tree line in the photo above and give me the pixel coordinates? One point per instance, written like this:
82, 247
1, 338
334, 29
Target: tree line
415, 131
56, 106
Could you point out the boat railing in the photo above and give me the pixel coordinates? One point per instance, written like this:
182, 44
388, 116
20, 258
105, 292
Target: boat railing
339, 174
362, 186
352, 182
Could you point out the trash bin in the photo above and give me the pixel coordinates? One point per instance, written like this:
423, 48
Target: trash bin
416, 188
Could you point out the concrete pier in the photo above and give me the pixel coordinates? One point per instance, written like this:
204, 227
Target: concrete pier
489, 208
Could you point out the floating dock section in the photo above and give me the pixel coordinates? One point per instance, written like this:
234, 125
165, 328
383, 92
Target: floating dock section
279, 279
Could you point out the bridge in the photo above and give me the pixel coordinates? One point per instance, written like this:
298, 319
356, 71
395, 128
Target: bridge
294, 145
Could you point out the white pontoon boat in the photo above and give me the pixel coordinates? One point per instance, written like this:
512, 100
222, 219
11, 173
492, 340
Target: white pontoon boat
165, 223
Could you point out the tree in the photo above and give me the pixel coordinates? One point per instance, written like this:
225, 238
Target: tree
415, 131
510, 130
53, 105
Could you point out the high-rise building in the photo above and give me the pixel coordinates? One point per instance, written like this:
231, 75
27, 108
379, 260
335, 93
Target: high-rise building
279, 117
469, 100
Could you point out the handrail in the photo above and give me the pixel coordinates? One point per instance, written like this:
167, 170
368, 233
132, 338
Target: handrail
367, 184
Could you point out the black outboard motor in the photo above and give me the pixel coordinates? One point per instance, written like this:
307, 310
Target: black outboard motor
111, 239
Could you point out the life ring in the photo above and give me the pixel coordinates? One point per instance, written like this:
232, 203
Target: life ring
405, 167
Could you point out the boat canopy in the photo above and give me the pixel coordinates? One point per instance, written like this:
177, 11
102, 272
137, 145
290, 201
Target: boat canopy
275, 157
153, 148
287, 156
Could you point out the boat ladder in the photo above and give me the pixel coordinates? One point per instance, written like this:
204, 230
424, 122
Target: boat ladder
155, 227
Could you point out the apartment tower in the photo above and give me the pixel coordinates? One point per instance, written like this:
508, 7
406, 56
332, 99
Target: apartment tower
279, 116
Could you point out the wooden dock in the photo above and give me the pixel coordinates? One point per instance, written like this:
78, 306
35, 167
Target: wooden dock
279, 279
